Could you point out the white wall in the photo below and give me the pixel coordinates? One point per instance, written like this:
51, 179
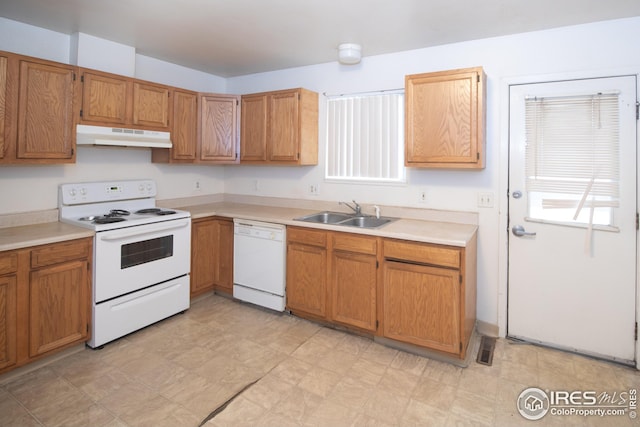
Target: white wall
580, 49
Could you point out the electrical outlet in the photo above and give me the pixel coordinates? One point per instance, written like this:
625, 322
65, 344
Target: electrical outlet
485, 200
198, 187
314, 189
422, 196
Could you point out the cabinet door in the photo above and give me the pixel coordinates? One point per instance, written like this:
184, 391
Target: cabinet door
445, 119
353, 289
150, 105
184, 136
307, 279
8, 320
219, 128
3, 102
203, 239
45, 111
253, 145
224, 264
58, 301
421, 306
106, 99
283, 126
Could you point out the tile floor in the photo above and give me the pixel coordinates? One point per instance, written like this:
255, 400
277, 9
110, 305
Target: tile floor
177, 372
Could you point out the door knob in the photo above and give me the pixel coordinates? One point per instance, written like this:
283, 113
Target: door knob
519, 231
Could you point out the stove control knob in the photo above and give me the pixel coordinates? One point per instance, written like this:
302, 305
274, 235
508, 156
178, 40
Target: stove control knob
72, 192
141, 188
83, 191
149, 187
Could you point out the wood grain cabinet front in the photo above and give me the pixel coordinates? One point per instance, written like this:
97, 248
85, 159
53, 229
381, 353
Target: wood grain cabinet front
354, 269
8, 309
218, 136
445, 119
4, 75
211, 255
113, 100
280, 127
38, 100
429, 295
307, 272
45, 300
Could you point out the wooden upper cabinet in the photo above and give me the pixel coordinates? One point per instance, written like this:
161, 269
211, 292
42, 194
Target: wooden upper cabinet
184, 135
280, 127
218, 128
4, 66
45, 125
105, 98
253, 143
445, 119
283, 126
112, 100
150, 105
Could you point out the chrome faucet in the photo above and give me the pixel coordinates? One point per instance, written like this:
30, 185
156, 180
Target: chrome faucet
356, 209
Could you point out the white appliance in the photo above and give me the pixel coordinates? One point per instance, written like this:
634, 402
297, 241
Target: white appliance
120, 137
259, 263
141, 254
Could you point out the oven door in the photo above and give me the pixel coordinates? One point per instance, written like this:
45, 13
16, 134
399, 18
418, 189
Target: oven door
132, 258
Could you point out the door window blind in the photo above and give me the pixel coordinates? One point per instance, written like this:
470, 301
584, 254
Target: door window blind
572, 158
364, 137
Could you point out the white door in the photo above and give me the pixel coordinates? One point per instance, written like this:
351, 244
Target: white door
572, 262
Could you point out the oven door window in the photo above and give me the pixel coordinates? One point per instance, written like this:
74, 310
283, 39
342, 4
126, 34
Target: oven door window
145, 251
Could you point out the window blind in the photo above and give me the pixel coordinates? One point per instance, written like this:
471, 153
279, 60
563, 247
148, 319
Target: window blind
572, 149
364, 137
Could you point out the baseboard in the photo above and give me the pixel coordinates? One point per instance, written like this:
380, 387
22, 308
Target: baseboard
488, 329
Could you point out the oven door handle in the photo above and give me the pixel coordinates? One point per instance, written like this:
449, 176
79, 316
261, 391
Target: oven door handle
136, 231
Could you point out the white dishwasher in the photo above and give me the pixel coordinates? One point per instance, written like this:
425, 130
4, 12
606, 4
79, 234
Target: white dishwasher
259, 263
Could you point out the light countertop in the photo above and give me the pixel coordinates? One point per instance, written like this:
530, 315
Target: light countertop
436, 232
441, 233
39, 234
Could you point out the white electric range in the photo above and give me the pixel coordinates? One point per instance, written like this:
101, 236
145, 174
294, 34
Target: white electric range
141, 254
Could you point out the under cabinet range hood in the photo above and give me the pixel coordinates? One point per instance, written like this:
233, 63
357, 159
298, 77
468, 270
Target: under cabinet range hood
120, 137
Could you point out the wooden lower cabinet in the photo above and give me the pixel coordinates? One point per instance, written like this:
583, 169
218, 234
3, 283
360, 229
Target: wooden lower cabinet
416, 293
307, 271
45, 300
58, 313
8, 320
211, 255
429, 295
421, 305
353, 280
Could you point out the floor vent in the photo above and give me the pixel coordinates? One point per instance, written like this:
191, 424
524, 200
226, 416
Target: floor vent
485, 352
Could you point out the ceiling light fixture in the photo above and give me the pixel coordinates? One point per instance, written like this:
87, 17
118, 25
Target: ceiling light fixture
349, 53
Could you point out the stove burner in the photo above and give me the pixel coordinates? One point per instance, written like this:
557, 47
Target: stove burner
118, 212
148, 211
107, 219
88, 218
166, 213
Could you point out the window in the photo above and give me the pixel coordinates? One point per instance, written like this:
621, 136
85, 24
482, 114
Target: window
365, 135
572, 159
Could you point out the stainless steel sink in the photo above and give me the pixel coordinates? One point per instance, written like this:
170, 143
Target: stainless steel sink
366, 221
348, 220
325, 217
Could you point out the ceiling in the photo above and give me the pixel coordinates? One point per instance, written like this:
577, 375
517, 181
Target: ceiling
237, 37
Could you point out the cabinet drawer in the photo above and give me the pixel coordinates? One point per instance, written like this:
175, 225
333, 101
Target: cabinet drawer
8, 263
354, 243
422, 253
307, 236
60, 252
